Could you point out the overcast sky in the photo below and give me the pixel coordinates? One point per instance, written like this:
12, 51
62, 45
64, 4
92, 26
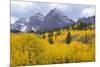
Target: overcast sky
24, 9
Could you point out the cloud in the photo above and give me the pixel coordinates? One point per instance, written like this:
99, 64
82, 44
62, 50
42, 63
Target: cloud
23, 9
19, 8
21, 5
88, 12
13, 19
59, 6
53, 5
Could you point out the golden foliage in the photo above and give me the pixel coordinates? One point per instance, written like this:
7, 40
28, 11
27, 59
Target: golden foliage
32, 49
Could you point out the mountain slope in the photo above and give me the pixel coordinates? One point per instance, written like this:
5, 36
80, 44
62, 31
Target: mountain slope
35, 22
87, 20
19, 24
55, 20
